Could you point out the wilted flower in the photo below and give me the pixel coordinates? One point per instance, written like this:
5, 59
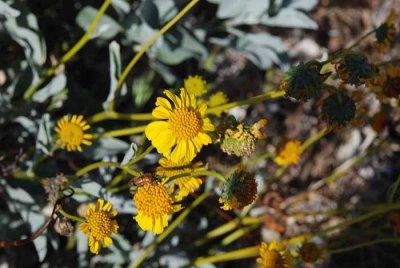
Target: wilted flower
154, 205
387, 84
182, 132
64, 227
354, 68
309, 252
303, 81
100, 225
241, 139
386, 33
72, 133
52, 186
240, 190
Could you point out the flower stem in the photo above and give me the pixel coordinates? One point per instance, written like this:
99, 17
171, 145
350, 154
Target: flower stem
70, 53
121, 132
96, 165
269, 95
169, 229
366, 244
143, 50
69, 216
198, 173
119, 116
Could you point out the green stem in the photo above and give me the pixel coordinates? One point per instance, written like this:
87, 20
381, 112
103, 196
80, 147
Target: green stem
169, 229
252, 252
119, 116
267, 96
143, 50
198, 173
78, 46
310, 141
69, 216
96, 165
366, 244
121, 132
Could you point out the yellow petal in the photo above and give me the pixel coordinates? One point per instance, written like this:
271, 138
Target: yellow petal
164, 103
158, 227
207, 125
203, 109
107, 207
204, 138
153, 129
99, 204
107, 241
179, 152
161, 112
144, 222
164, 142
173, 98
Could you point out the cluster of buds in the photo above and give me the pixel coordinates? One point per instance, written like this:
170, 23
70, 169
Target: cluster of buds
240, 139
309, 252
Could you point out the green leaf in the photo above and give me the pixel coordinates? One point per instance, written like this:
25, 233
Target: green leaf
44, 138
142, 88
290, 18
25, 31
115, 72
107, 28
53, 88
8, 12
130, 154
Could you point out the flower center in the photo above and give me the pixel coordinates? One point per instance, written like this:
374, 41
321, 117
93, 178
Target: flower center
185, 123
153, 200
100, 224
71, 134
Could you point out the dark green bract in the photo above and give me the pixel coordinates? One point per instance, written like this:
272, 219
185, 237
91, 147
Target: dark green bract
355, 68
304, 81
339, 108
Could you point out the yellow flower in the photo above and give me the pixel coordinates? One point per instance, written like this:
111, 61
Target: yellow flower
217, 99
154, 205
386, 33
72, 133
289, 153
240, 190
275, 256
99, 225
184, 132
186, 184
195, 85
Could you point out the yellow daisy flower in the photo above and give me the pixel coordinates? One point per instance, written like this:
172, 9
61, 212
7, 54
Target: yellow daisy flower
154, 205
186, 184
183, 133
72, 133
99, 225
275, 255
386, 33
289, 153
217, 99
195, 85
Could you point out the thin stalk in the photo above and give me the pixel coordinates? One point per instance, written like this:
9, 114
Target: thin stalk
365, 244
119, 116
267, 96
121, 132
70, 53
143, 50
96, 165
198, 173
69, 216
